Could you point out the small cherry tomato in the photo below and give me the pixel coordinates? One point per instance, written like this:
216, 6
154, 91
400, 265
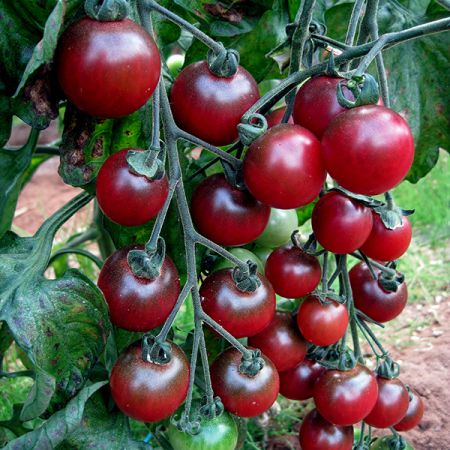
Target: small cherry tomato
414, 413
276, 116
282, 222
244, 255
387, 443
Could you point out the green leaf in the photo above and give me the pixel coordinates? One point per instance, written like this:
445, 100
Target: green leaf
337, 18
6, 340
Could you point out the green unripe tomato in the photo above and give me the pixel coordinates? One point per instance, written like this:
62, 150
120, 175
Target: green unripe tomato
262, 253
175, 63
242, 254
282, 222
387, 443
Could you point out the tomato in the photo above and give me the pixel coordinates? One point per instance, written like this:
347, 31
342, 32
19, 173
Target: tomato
148, 391
414, 413
298, 383
138, 304
384, 244
95, 62
391, 405
242, 254
322, 324
211, 107
276, 116
292, 272
346, 397
241, 394
126, 198
281, 342
278, 231
240, 313
372, 299
225, 214
262, 253
316, 433
283, 167
384, 444
368, 150
341, 224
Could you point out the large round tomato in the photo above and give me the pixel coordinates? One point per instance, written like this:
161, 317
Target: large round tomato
298, 383
372, 299
414, 413
316, 433
281, 342
148, 391
240, 313
126, 198
242, 254
292, 272
384, 244
95, 62
138, 304
322, 324
385, 443
211, 107
241, 394
282, 222
225, 214
346, 397
341, 224
276, 116
391, 405
368, 150
283, 167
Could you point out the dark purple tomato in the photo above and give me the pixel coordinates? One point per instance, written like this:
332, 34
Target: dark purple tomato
281, 342
368, 150
126, 198
414, 413
372, 299
240, 313
148, 391
276, 116
316, 433
322, 324
392, 403
227, 215
298, 383
292, 272
138, 304
107, 69
283, 167
384, 244
241, 394
211, 107
341, 224
346, 397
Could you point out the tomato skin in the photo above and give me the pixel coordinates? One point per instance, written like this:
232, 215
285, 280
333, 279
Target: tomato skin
316, 433
278, 231
283, 167
322, 324
281, 342
226, 215
384, 244
96, 60
241, 313
147, 391
372, 299
368, 150
262, 253
138, 304
414, 413
383, 444
346, 397
298, 383
211, 107
391, 405
242, 254
340, 224
241, 394
276, 116
126, 198
292, 272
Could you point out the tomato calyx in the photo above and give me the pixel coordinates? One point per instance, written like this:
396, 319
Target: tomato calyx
155, 350
394, 442
106, 10
224, 63
251, 363
147, 263
334, 357
363, 87
148, 163
390, 280
388, 368
391, 215
251, 127
212, 409
246, 279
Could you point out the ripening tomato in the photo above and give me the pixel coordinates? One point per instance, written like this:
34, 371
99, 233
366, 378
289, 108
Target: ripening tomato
387, 443
149, 391
126, 198
225, 214
211, 107
96, 60
278, 231
283, 167
138, 304
414, 413
276, 116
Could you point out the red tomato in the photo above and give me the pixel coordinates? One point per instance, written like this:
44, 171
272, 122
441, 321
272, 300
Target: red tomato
95, 62
126, 198
283, 167
276, 116
341, 224
225, 214
147, 391
414, 413
368, 150
211, 107
292, 272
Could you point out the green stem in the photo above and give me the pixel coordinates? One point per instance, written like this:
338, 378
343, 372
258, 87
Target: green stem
77, 251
